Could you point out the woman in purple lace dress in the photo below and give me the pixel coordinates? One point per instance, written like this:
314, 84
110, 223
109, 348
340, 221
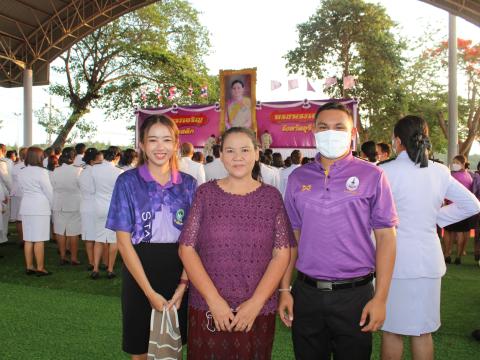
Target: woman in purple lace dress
235, 247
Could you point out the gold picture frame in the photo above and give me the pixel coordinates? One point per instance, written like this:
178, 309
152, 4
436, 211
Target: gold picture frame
233, 109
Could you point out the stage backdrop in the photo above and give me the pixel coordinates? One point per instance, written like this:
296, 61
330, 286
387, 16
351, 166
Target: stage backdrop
290, 123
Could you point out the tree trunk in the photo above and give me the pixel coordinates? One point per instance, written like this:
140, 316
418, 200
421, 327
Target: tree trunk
466, 145
65, 131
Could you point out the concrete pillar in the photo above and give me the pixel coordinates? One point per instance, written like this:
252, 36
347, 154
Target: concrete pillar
27, 107
452, 89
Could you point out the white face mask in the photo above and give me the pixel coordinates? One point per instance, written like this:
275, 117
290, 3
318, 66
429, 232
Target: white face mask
456, 167
332, 143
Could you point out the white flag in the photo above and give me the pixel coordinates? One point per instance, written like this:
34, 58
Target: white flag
274, 84
292, 84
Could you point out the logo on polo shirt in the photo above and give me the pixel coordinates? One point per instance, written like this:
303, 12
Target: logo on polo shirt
306, 188
179, 215
352, 183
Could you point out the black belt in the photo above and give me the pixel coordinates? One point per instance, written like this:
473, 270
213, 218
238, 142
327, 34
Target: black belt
327, 285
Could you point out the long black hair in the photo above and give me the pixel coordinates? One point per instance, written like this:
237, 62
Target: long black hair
413, 133
256, 174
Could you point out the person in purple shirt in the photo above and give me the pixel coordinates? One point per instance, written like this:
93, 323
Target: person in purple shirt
334, 203
148, 208
235, 248
460, 230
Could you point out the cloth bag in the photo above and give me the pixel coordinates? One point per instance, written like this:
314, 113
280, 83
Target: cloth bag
165, 340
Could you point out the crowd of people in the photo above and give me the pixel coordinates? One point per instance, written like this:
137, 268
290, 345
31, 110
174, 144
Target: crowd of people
237, 219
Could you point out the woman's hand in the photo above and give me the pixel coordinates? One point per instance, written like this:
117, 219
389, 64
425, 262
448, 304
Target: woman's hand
157, 301
285, 308
247, 312
222, 314
177, 297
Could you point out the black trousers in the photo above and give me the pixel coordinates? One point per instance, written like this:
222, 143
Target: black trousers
326, 323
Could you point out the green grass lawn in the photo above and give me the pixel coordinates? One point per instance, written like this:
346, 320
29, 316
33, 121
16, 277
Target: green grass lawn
68, 316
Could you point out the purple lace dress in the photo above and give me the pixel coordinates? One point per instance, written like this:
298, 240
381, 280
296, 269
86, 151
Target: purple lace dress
234, 235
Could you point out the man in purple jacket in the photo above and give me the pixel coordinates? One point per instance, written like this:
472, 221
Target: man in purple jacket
334, 204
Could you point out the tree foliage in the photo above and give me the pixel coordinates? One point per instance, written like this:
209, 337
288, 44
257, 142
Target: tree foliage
160, 45
352, 37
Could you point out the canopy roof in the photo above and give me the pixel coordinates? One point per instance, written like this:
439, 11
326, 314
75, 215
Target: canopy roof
34, 32
467, 9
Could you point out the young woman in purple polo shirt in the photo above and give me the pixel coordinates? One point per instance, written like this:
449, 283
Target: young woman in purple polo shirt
235, 247
149, 205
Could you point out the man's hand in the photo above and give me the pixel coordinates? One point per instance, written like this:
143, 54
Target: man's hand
285, 308
375, 310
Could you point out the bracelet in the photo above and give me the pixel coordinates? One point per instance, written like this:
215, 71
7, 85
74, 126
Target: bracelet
288, 289
184, 282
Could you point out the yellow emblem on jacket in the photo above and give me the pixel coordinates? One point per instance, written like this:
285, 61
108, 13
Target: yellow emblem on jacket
306, 188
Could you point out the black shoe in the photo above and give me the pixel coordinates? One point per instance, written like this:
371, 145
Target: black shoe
64, 262
43, 273
30, 271
94, 275
111, 275
90, 267
458, 261
75, 263
476, 334
448, 260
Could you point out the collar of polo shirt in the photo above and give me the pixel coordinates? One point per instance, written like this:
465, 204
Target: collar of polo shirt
339, 164
147, 176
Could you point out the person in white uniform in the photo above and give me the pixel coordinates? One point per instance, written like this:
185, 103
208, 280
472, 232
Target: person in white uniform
80, 152
296, 158
270, 175
16, 195
66, 205
419, 187
215, 170
101, 184
6, 179
188, 166
87, 205
35, 209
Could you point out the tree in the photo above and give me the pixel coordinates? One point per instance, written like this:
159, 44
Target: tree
469, 63
352, 37
425, 90
162, 44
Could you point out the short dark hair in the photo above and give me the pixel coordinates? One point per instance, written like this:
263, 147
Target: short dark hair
80, 148
386, 148
67, 157
34, 157
128, 156
333, 106
111, 153
369, 148
296, 157
216, 150
209, 159
90, 155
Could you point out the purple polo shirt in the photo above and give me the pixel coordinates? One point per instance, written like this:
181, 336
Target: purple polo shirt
147, 210
336, 214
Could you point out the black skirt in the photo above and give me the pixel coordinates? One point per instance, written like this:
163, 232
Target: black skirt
464, 225
163, 269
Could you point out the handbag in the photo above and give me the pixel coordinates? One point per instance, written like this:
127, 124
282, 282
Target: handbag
165, 340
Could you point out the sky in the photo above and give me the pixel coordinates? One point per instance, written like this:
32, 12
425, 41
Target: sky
245, 34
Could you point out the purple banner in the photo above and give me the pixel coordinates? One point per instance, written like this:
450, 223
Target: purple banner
289, 123
195, 123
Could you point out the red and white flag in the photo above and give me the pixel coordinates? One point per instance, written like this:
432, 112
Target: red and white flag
274, 84
348, 82
309, 86
292, 84
172, 91
329, 82
204, 91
